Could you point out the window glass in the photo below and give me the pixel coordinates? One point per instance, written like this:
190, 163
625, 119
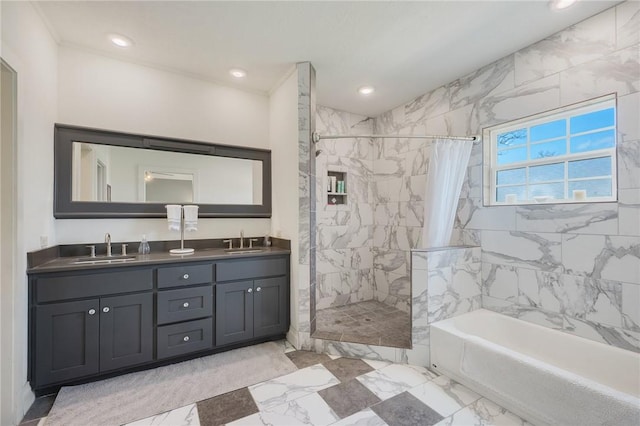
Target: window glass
592, 121
549, 149
520, 193
546, 173
511, 177
515, 155
594, 187
593, 141
554, 129
566, 155
551, 191
513, 138
590, 168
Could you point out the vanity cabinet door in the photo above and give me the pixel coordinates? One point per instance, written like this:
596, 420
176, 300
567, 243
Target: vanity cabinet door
126, 330
270, 306
234, 312
66, 343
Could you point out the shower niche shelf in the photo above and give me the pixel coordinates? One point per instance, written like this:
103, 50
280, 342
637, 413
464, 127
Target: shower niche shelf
336, 187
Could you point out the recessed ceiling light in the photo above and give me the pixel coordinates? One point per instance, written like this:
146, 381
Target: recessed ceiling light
238, 72
120, 40
561, 4
366, 90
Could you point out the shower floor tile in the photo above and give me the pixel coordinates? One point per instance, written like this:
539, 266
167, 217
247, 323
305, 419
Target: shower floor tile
370, 322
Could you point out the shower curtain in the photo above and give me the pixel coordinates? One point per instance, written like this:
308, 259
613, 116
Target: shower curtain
447, 167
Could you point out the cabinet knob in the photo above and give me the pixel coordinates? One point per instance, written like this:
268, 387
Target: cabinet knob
92, 311
105, 309
185, 276
185, 338
258, 288
250, 290
185, 305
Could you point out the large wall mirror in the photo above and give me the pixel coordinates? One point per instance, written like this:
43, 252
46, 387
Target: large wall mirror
101, 173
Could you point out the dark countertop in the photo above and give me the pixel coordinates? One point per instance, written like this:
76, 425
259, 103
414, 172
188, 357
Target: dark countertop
61, 258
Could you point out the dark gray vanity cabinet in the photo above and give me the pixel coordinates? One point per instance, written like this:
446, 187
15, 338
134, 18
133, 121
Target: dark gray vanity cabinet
251, 308
96, 333
92, 323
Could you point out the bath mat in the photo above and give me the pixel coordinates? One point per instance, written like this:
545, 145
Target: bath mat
135, 396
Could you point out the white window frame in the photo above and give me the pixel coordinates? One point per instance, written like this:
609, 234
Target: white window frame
490, 152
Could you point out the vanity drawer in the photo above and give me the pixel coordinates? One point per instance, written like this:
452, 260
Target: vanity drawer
184, 338
184, 304
254, 268
52, 288
184, 275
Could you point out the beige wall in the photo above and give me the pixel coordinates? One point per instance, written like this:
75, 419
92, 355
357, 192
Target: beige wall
283, 137
28, 48
98, 91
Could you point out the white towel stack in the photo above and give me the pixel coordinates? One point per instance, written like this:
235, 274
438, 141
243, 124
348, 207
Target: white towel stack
190, 218
174, 214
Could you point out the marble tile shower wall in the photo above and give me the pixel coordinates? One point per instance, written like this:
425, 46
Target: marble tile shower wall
574, 268
344, 232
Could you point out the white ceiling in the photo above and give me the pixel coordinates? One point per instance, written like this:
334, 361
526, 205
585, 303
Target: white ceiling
404, 49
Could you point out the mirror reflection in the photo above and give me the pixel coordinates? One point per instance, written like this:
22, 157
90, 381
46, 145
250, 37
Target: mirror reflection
133, 175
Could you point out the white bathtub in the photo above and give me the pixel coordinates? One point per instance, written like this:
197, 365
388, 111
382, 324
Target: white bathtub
543, 375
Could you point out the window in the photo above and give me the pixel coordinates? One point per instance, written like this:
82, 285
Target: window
566, 155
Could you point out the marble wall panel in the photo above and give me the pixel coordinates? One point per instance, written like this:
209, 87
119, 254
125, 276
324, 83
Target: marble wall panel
344, 232
586, 41
627, 24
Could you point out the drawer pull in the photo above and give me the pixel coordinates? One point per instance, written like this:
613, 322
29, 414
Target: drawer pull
105, 309
185, 305
185, 338
250, 290
259, 288
92, 311
185, 276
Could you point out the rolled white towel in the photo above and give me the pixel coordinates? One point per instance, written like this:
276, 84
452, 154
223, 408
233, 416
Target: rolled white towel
174, 214
190, 218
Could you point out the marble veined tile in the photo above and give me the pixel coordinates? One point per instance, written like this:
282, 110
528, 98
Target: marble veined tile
444, 395
183, 416
524, 249
600, 218
583, 42
362, 418
308, 410
615, 258
631, 307
494, 78
627, 24
483, 412
292, 386
394, 379
629, 211
617, 72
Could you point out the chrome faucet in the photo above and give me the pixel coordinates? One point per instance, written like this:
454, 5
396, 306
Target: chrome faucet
242, 238
107, 240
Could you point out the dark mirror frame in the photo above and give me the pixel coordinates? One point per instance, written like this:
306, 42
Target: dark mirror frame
65, 208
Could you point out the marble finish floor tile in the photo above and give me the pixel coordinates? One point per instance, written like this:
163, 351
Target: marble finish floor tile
308, 410
395, 379
370, 322
303, 359
292, 386
183, 416
406, 409
444, 395
483, 412
348, 398
226, 408
362, 418
347, 368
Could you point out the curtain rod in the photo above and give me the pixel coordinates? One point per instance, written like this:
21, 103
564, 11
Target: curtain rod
316, 137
